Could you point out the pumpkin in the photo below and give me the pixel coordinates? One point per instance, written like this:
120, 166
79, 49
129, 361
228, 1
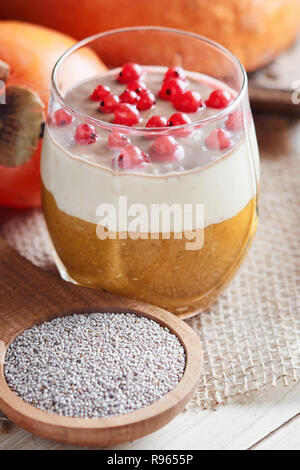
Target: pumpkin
256, 31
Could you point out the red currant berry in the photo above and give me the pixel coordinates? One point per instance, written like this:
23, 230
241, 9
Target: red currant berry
171, 88
126, 114
61, 118
235, 121
85, 134
117, 141
137, 85
180, 119
129, 73
188, 102
218, 139
109, 103
147, 101
166, 149
100, 93
132, 157
157, 121
175, 72
218, 99
130, 97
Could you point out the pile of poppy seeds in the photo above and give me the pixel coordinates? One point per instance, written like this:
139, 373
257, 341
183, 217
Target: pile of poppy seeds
94, 365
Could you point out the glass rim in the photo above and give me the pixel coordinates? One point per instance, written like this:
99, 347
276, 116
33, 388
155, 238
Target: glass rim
142, 130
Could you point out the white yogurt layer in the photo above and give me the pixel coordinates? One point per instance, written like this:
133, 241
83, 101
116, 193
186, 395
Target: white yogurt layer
224, 187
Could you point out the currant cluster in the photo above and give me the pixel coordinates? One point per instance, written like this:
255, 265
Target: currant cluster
136, 98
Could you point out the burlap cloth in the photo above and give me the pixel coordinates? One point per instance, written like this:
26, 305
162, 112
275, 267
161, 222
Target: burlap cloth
251, 337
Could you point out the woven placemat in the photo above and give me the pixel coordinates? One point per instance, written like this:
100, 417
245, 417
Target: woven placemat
251, 337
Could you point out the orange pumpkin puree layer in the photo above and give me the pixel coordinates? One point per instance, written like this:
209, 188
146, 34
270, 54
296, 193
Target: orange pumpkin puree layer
160, 271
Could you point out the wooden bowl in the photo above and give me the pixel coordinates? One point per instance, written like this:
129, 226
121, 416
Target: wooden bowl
28, 297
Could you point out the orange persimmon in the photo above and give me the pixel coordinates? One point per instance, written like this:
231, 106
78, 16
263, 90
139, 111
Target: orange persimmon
31, 51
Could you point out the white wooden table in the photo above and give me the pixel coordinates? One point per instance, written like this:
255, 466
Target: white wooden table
264, 420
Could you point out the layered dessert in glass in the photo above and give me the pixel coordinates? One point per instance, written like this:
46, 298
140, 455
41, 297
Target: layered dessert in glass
150, 170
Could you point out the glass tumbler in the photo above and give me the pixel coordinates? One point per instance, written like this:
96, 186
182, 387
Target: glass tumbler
164, 213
